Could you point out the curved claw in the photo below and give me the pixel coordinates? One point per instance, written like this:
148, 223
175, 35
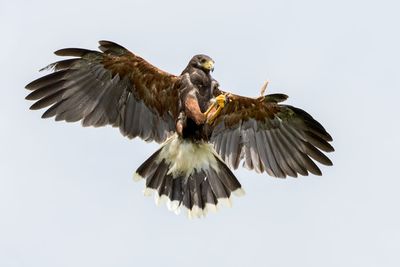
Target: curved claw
220, 101
209, 109
214, 115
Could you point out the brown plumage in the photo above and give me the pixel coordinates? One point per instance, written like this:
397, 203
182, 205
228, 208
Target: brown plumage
203, 129
114, 87
271, 137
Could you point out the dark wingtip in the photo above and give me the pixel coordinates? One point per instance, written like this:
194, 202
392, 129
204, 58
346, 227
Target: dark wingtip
29, 86
315, 170
276, 98
33, 107
73, 52
33, 85
30, 96
111, 47
48, 113
324, 134
329, 148
45, 116
326, 161
106, 43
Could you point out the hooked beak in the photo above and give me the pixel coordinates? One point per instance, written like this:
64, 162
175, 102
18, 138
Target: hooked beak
208, 65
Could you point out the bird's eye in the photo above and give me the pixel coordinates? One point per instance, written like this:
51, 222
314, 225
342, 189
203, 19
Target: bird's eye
203, 60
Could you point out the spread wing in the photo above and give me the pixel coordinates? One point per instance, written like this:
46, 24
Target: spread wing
268, 136
112, 87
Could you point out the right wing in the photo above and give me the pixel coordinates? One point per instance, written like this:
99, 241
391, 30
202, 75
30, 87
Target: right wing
268, 136
113, 87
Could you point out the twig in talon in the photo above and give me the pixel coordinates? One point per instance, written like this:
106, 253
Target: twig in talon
264, 88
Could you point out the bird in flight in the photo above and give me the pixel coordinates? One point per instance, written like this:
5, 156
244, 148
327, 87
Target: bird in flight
204, 131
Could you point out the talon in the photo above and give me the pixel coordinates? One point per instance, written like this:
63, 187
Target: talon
209, 109
214, 115
221, 100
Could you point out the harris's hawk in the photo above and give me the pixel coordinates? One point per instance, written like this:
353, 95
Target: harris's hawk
204, 131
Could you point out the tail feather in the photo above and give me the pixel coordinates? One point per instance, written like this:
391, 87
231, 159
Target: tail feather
155, 180
166, 187
225, 175
148, 166
208, 195
177, 190
190, 176
186, 201
217, 186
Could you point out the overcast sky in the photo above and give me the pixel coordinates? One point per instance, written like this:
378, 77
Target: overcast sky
66, 193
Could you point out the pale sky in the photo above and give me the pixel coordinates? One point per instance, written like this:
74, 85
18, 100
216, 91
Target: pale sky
66, 193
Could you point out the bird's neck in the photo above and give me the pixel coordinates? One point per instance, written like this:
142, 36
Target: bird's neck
192, 70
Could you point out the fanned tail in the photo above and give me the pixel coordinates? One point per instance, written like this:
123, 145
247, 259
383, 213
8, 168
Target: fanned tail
188, 175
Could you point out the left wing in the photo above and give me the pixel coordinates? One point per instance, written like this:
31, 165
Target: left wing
278, 139
112, 86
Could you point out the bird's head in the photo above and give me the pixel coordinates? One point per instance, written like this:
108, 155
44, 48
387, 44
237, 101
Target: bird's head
202, 62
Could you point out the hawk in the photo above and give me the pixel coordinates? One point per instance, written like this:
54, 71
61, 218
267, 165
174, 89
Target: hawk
204, 131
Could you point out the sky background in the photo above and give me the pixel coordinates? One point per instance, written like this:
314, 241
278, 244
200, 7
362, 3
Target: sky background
66, 193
